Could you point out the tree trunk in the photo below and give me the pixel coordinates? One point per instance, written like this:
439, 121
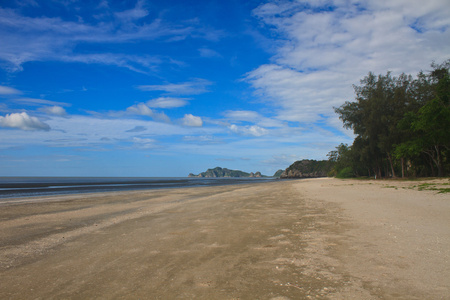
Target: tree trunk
439, 161
403, 167
433, 161
376, 172
392, 165
433, 172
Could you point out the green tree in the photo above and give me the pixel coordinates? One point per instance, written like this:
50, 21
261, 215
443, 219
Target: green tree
429, 125
341, 159
380, 103
400, 123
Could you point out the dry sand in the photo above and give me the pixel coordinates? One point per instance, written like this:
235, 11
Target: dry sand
301, 239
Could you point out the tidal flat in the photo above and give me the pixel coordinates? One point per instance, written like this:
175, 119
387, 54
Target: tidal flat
298, 239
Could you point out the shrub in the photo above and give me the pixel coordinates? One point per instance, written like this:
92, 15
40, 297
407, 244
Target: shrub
345, 173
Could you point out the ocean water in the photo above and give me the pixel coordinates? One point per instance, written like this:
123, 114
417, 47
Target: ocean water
19, 187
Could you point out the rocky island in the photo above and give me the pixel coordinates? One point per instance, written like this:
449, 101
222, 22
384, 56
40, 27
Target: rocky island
224, 172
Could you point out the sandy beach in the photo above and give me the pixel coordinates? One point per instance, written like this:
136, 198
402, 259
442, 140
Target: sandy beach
300, 239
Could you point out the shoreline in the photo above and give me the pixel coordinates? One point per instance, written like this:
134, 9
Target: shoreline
309, 238
30, 187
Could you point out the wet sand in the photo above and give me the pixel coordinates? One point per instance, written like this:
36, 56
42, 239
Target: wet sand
301, 239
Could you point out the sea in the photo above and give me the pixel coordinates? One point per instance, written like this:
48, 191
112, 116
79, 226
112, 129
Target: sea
20, 187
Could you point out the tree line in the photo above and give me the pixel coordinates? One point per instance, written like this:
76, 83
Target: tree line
402, 126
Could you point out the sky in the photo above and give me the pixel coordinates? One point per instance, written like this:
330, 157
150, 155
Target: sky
166, 88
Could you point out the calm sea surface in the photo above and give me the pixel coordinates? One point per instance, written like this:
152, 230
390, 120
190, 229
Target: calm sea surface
18, 187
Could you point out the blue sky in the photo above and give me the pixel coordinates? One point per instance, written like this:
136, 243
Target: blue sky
165, 88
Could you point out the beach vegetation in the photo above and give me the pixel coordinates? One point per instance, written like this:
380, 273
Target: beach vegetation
346, 172
434, 187
391, 187
439, 187
401, 126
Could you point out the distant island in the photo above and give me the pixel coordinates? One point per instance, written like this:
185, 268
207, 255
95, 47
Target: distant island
224, 172
307, 168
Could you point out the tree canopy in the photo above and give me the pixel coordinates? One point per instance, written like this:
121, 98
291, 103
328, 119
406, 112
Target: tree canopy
402, 126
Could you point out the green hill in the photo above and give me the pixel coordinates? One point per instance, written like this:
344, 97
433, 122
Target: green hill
308, 168
278, 173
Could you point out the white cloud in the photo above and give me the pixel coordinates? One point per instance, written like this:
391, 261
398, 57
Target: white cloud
92, 132
37, 102
323, 51
54, 110
195, 87
242, 115
252, 117
140, 109
136, 63
202, 139
301, 97
253, 130
282, 160
144, 143
167, 102
208, 53
143, 110
136, 13
23, 121
94, 128
44, 38
4, 90
192, 121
